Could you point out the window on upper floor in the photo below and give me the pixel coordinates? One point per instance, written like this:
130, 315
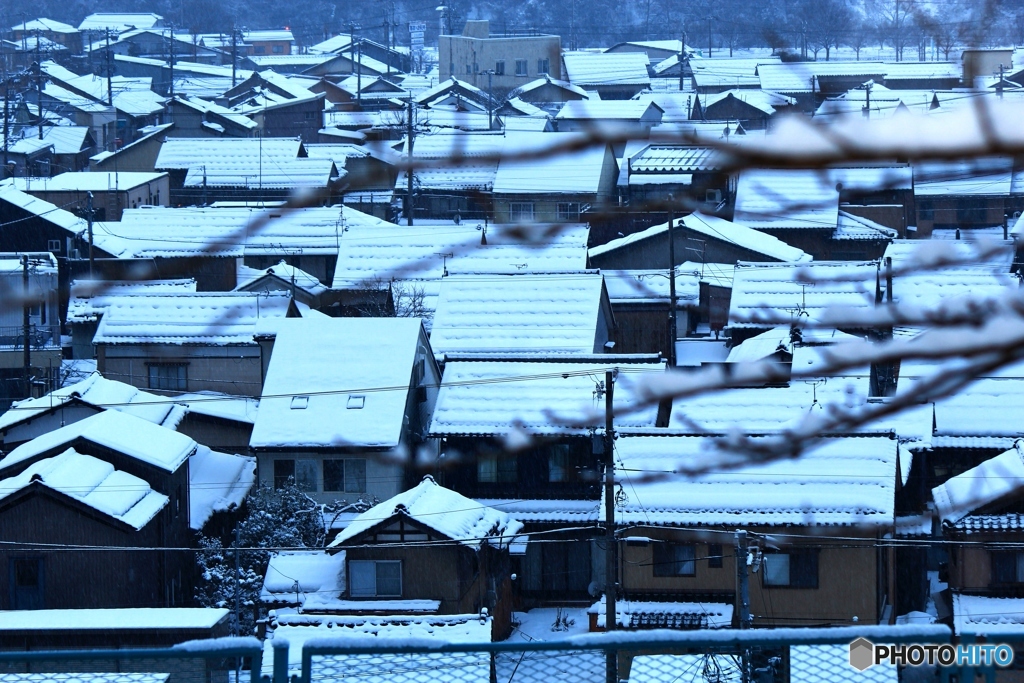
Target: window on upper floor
521, 67
278, 49
715, 556
674, 559
260, 50
345, 474
543, 66
497, 469
302, 471
568, 211
520, 212
793, 569
558, 463
499, 67
1007, 567
375, 578
168, 376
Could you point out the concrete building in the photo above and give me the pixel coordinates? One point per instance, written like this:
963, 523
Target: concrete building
513, 60
113, 192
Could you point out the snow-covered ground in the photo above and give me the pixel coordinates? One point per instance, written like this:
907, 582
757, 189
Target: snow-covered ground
538, 624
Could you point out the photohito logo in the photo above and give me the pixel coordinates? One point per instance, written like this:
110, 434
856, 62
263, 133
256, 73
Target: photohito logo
864, 654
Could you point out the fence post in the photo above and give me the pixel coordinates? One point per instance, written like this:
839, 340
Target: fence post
280, 647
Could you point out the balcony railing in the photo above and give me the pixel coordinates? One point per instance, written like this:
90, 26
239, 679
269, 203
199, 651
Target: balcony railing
12, 337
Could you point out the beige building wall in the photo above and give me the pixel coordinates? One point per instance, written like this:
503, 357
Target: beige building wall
468, 56
229, 369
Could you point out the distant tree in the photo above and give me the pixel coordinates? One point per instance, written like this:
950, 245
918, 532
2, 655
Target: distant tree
893, 19
771, 25
828, 24
858, 36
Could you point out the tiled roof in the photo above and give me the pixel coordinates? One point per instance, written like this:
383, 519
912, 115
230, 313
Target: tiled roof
986, 524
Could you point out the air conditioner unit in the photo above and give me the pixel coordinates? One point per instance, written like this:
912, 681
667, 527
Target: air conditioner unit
713, 196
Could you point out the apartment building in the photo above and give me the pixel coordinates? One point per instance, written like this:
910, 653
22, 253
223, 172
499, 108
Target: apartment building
510, 60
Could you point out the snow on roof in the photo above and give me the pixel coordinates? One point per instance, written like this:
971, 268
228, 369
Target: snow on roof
92, 482
982, 177
547, 80
719, 229
313, 398
37, 207
497, 397
934, 288
813, 663
295, 576
451, 84
554, 312
183, 153
333, 44
74, 100
673, 159
763, 100
568, 172
373, 252
128, 618
606, 68
119, 21
546, 510
446, 512
89, 300
992, 481
87, 181
224, 406
772, 291
651, 286
1012, 522
455, 667
229, 231
63, 139
779, 338
272, 173
447, 145
800, 77
786, 198
851, 227
115, 430
610, 110
103, 393
681, 615
987, 616
43, 24
990, 407
217, 482
847, 481
247, 277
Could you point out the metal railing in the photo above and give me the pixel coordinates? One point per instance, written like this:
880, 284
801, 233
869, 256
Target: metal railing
653, 656
39, 337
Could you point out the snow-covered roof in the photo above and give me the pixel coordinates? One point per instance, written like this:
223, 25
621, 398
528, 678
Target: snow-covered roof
314, 398
87, 181
183, 153
982, 177
74, 100
856, 228
654, 159
63, 140
446, 512
119, 21
610, 110
247, 277
567, 511
547, 80
45, 210
498, 397
992, 481
101, 392
847, 481
89, 299
606, 68
1009, 522
553, 312
217, 482
787, 199
719, 229
763, 100
772, 291
651, 286
989, 408
117, 431
455, 667
333, 44
565, 172
271, 174
42, 24
223, 406
934, 288
295, 576
813, 663
229, 231
209, 318
452, 84
987, 616
801, 77
680, 615
93, 482
446, 145
127, 618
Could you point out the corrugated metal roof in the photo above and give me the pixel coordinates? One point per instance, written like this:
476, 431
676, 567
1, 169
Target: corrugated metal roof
784, 198
596, 69
182, 153
277, 174
674, 159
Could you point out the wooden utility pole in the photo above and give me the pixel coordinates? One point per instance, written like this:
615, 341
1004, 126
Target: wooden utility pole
410, 133
672, 321
88, 216
234, 56
743, 594
611, 561
110, 72
682, 60
26, 327
170, 62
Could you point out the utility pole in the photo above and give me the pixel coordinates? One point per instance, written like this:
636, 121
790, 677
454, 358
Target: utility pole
611, 561
490, 100
682, 59
672, 321
743, 594
234, 56
352, 46
25, 327
7, 120
359, 76
110, 73
170, 63
867, 100
88, 217
410, 135
39, 94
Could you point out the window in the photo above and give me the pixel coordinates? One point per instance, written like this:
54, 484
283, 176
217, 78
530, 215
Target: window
278, 49
558, 463
520, 212
260, 50
971, 211
451, 68
495, 469
926, 210
520, 67
168, 376
715, 556
374, 578
543, 66
469, 68
499, 67
302, 471
53, 245
557, 568
26, 582
345, 474
795, 569
674, 559
1007, 567
568, 211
